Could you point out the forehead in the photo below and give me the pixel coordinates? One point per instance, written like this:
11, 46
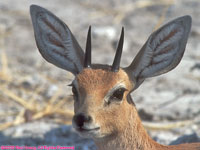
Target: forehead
102, 79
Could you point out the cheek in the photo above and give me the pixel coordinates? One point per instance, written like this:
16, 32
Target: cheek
110, 119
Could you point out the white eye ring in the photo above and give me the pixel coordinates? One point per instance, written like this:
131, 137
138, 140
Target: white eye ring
110, 93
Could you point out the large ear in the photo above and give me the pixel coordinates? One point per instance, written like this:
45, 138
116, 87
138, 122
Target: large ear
162, 52
55, 41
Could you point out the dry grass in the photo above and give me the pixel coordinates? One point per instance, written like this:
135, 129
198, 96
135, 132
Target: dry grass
31, 109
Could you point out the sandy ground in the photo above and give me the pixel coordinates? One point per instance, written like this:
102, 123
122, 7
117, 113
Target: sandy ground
171, 101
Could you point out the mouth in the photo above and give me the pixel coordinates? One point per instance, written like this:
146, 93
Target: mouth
81, 129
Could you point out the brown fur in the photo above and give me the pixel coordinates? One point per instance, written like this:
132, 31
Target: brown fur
120, 125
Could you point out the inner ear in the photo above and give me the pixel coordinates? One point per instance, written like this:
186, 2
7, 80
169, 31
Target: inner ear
162, 51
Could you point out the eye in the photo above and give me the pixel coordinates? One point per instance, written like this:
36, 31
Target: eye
75, 92
118, 94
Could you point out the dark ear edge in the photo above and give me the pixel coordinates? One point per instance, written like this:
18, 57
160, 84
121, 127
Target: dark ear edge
162, 52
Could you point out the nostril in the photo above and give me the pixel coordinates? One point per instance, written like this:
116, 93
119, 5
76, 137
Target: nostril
80, 119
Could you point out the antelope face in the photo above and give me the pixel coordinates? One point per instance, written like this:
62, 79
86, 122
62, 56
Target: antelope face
100, 91
99, 101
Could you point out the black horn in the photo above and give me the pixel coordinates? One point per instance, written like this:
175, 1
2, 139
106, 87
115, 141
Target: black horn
116, 62
87, 61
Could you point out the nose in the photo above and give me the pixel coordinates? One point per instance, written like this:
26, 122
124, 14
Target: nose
80, 119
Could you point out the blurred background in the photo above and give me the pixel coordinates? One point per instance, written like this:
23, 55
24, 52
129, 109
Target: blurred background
36, 105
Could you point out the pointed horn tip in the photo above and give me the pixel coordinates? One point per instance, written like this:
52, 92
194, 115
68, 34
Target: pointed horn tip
89, 30
116, 62
87, 61
122, 33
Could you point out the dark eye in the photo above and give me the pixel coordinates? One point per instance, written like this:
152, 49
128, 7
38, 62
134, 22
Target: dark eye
75, 92
118, 94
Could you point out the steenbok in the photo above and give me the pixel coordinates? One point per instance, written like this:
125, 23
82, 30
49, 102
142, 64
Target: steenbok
104, 110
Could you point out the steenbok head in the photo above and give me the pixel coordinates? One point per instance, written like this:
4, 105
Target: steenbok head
102, 103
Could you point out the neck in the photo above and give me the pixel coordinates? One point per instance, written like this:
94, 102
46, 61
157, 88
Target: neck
133, 137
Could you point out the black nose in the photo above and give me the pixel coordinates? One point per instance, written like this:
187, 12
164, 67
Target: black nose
80, 119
